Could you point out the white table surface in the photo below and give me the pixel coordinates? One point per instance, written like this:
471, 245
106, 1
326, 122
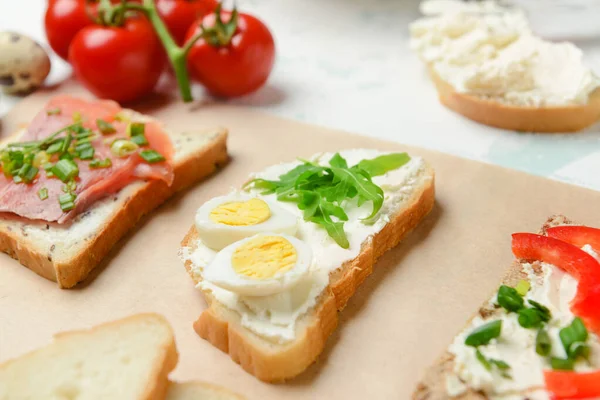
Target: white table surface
346, 64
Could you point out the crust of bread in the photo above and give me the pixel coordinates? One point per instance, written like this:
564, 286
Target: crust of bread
433, 384
523, 119
67, 274
272, 363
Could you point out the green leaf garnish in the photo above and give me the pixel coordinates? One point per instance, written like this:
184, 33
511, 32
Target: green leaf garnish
321, 192
383, 164
484, 334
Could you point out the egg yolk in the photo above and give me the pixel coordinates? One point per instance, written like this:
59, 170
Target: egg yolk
263, 257
241, 213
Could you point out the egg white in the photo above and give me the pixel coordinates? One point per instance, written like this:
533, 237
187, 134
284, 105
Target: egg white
217, 236
220, 271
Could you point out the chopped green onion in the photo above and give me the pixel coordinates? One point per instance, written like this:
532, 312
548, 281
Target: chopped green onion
83, 143
66, 143
484, 361
55, 147
48, 166
545, 313
530, 318
28, 173
572, 334
101, 163
523, 287
579, 349
484, 334
43, 193
135, 129
121, 118
502, 366
67, 201
17, 179
40, 158
87, 153
140, 140
564, 364
77, 116
509, 298
65, 170
543, 344
151, 156
123, 148
53, 111
104, 127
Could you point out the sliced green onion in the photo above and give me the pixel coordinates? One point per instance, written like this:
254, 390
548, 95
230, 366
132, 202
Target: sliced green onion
55, 147
101, 163
87, 153
48, 166
43, 193
67, 201
40, 158
574, 333
543, 344
543, 310
66, 143
140, 140
579, 349
83, 143
484, 334
121, 117
151, 156
564, 364
484, 361
135, 129
123, 148
104, 127
523, 287
17, 179
509, 298
65, 170
53, 111
530, 318
28, 173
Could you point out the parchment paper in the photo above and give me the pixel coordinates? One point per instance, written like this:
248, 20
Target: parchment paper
404, 315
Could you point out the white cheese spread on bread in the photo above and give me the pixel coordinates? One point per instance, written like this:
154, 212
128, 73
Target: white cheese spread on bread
491, 52
274, 317
516, 346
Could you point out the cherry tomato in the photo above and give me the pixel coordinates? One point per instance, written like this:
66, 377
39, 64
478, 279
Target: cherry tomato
577, 235
573, 385
118, 63
63, 19
239, 67
179, 15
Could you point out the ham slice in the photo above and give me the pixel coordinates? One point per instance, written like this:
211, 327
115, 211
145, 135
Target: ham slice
92, 184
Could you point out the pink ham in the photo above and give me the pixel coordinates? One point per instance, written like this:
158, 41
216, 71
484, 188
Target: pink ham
92, 184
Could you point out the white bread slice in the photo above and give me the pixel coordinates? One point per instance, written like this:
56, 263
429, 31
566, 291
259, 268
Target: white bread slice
125, 359
433, 384
272, 362
67, 253
199, 391
563, 119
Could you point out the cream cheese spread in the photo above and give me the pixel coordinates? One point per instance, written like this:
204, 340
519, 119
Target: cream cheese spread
551, 287
274, 317
491, 52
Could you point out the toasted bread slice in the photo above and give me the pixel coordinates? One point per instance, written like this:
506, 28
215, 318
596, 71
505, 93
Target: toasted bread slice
126, 359
558, 119
67, 253
199, 391
273, 362
433, 385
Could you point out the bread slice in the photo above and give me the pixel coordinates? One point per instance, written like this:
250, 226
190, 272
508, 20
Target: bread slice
272, 362
67, 253
126, 359
433, 385
556, 119
199, 391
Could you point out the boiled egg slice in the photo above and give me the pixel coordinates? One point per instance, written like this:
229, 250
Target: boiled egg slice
261, 265
227, 219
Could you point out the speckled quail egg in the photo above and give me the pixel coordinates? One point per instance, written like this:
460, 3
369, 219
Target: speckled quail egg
23, 63
227, 219
261, 265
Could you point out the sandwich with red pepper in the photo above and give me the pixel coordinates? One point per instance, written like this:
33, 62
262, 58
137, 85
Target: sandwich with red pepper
538, 336
82, 174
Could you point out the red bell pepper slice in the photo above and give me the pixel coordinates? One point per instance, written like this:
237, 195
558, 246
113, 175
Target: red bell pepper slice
566, 256
576, 235
573, 385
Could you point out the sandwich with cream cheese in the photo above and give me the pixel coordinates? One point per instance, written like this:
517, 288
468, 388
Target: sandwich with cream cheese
488, 66
538, 337
82, 173
277, 260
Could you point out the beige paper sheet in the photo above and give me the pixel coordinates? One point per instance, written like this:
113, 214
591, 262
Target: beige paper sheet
419, 296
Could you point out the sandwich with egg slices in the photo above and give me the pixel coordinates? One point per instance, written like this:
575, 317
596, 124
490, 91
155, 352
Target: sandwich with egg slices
537, 337
487, 65
277, 260
82, 174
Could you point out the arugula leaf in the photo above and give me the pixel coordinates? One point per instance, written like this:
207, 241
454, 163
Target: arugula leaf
385, 163
334, 229
338, 161
366, 189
